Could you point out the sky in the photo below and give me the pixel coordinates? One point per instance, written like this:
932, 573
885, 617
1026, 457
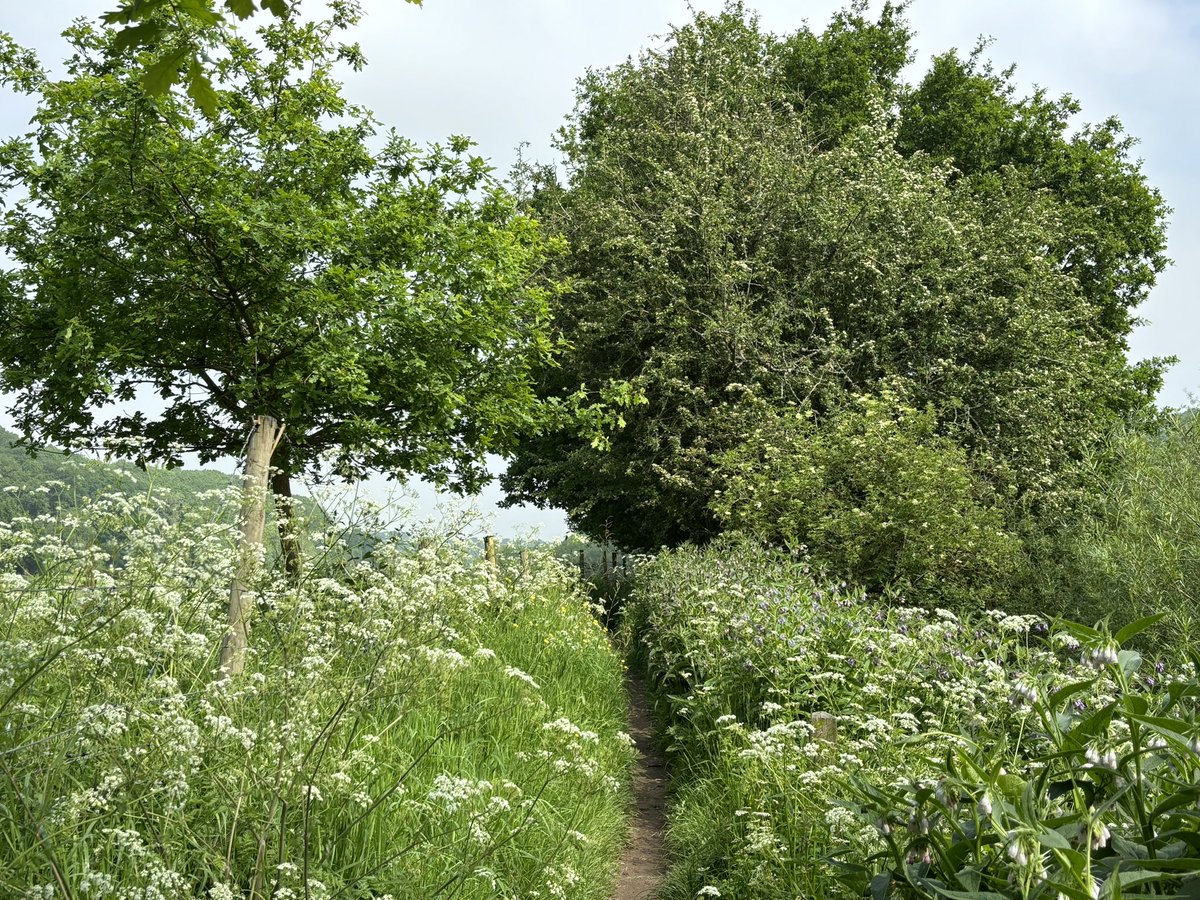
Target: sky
504, 73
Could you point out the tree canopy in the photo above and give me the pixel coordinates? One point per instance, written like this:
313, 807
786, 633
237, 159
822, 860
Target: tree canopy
764, 226
171, 30
280, 258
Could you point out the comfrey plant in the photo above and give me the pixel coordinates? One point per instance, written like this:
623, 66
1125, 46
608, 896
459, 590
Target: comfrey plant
409, 724
806, 717
1096, 797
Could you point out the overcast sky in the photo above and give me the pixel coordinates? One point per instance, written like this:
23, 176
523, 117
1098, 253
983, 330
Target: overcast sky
504, 71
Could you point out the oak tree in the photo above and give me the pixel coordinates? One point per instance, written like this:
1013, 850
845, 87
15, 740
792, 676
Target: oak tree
284, 259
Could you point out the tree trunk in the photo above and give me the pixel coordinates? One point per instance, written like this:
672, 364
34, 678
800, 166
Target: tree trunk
285, 522
263, 439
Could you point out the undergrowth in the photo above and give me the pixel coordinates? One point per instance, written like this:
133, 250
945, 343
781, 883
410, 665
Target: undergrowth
410, 724
826, 744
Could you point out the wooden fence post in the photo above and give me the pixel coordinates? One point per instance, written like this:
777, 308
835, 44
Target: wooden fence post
524, 563
824, 727
489, 552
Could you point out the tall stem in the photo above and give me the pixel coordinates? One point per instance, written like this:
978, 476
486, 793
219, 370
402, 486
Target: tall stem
285, 520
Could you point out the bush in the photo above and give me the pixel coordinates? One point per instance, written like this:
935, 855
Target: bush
1096, 798
877, 497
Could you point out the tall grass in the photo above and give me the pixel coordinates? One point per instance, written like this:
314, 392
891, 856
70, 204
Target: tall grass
410, 724
1138, 551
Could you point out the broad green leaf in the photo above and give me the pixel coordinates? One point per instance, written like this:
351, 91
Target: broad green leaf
201, 91
1177, 864
137, 36
1054, 841
1080, 631
1067, 692
163, 73
1180, 690
1116, 883
1176, 730
1011, 786
132, 11
1137, 627
1129, 849
1129, 661
200, 11
1084, 731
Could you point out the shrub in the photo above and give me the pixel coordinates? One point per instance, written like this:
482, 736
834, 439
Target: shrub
1137, 550
877, 497
1096, 798
922, 713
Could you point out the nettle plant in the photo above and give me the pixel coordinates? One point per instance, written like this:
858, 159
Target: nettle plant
1095, 796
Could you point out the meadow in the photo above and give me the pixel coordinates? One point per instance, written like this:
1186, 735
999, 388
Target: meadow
411, 723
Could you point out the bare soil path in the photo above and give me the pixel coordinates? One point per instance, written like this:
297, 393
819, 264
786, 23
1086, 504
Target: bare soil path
645, 860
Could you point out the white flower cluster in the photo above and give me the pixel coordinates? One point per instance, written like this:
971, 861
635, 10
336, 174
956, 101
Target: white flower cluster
368, 682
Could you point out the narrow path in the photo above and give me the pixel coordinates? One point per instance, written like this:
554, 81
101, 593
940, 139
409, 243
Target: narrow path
644, 861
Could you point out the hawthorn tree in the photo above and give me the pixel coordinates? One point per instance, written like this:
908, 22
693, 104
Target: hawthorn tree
756, 229
279, 260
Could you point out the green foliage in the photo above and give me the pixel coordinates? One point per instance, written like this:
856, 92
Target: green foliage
827, 746
750, 223
1112, 240
410, 725
1098, 802
172, 31
876, 496
836, 77
381, 303
1137, 551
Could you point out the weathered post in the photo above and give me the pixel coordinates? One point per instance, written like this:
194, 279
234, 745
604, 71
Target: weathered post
824, 727
524, 563
582, 564
489, 552
613, 567
264, 437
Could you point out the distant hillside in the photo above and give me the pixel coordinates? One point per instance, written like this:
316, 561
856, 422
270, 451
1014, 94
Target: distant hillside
36, 485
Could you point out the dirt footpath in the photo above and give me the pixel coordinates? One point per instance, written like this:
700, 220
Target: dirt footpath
645, 861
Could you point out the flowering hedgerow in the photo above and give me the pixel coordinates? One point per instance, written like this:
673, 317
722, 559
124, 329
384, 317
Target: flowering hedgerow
409, 725
828, 745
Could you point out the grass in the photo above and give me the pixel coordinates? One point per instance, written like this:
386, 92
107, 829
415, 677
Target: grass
410, 724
